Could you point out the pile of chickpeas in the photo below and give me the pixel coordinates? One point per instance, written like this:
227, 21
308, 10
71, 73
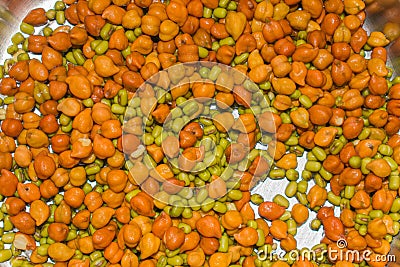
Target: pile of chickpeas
133, 133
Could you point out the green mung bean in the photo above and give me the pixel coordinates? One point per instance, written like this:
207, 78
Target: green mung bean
281, 200
26, 28
291, 189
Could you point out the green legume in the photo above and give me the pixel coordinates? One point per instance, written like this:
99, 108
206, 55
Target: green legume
126, 52
171, 253
162, 261
27, 28
201, 195
79, 58
385, 150
47, 31
393, 165
315, 224
305, 101
106, 31
302, 198
67, 128
220, 207
375, 214
362, 230
223, 243
285, 216
220, 13
362, 218
256, 199
250, 86
302, 187
231, 6
60, 17
235, 194
261, 238
223, 3
364, 163
291, 189
325, 174
355, 162
319, 153
311, 156
203, 52
101, 48
51, 14
313, 166
227, 41
7, 224
207, 12
349, 191
333, 199
292, 175
395, 216
70, 57
12, 49
59, 5
214, 73
175, 261
241, 58
292, 226
17, 38
265, 85
178, 125
137, 32
319, 180
100, 262
395, 206
130, 35
281, 201
176, 211
23, 57
5, 255
336, 147
207, 205
42, 249
292, 141
277, 174
396, 228
9, 100
190, 108
8, 238
117, 109
345, 203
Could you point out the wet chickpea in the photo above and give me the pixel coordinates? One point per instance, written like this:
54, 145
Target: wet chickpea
101, 159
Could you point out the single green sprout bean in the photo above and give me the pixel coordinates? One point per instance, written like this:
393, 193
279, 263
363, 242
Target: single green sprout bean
207, 12
227, 41
291, 189
315, 224
26, 28
220, 13
51, 14
17, 38
256, 199
59, 5
60, 17
281, 201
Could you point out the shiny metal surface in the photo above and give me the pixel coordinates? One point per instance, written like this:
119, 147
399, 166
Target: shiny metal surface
379, 13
